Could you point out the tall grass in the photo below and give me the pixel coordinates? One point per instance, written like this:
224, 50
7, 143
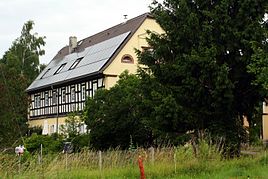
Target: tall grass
202, 161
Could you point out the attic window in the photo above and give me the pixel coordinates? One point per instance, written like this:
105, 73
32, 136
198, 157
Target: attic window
127, 59
76, 62
45, 73
59, 69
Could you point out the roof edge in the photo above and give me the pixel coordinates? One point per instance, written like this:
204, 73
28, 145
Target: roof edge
146, 15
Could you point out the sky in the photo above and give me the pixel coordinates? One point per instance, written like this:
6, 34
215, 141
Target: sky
60, 19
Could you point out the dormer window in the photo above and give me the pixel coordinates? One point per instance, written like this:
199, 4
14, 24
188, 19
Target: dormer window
59, 69
127, 59
45, 73
76, 62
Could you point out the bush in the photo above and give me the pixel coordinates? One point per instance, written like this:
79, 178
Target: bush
49, 143
80, 141
35, 130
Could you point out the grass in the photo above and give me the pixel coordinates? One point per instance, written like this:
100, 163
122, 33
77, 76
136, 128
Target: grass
163, 163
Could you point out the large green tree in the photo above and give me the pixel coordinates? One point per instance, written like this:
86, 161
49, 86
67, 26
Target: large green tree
208, 59
18, 68
114, 116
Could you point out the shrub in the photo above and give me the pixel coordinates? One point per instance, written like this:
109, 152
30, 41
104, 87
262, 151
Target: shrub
80, 141
49, 143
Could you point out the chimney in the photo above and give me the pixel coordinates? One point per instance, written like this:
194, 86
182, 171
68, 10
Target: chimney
125, 18
72, 43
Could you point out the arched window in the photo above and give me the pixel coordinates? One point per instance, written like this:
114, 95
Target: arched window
127, 59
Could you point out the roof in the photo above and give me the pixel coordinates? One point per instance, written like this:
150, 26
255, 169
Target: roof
94, 53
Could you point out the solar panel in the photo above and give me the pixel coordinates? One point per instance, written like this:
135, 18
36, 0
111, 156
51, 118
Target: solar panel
95, 57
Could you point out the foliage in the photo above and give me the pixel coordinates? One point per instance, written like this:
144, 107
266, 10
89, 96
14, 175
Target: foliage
18, 67
42, 67
209, 60
23, 55
13, 106
71, 132
255, 126
49, 143
114, 115
73, 123
162, 114
35, 130
81, 141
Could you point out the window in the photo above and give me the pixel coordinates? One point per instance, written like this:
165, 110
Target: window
76, 62
45, 73
127, 59
83, 92
95, 87
52, 129
73, 94
63, 96
73, 107
37, 102
46, 99
54, 97
59, 69
100, 81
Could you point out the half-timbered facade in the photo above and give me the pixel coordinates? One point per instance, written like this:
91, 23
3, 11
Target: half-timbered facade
81, 68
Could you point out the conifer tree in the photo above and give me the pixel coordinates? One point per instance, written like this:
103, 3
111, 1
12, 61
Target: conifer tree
209, 59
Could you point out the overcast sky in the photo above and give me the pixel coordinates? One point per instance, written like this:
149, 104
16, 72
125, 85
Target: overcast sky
59, 19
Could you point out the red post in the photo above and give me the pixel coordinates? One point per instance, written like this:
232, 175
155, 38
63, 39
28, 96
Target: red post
141, 168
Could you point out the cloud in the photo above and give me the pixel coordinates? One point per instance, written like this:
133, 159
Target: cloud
57, 20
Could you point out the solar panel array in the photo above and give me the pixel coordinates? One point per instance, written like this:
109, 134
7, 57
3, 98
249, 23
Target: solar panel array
94, 58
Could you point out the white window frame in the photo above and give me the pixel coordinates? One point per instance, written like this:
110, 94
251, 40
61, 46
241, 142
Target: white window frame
63, 94
46, 99
37, 101
73, 94
83, 91
54, 97
60, 68
94, 88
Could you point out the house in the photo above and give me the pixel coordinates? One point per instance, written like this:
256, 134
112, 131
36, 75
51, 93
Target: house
84, 66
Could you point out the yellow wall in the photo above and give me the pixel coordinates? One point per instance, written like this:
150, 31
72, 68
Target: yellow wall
265, 123
265, 127
49, 121
110, 81
137, 41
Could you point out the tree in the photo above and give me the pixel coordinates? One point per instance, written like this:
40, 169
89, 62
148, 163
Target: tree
24, 53
114, 116
18, 68
72, 125
207, 58
13, 106
162, 114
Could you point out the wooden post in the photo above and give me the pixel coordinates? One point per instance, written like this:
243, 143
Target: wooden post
19, 163
152, 154
66, 160
175, 160
100, 161
40, 157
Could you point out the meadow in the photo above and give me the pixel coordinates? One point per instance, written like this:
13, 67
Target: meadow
165, 162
